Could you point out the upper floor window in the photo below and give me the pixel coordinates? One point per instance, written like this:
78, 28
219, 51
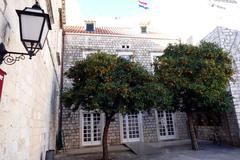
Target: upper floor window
126, 55
87, 53
89, 27
143, 29
154, 56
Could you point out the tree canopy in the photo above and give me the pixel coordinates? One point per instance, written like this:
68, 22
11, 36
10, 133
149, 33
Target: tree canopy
198, 77
110, 84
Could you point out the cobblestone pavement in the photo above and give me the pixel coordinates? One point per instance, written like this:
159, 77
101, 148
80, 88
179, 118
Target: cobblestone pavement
207, 152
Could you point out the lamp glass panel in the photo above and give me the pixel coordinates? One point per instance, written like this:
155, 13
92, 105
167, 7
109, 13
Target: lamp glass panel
31, 27
31, 46
44, 33
28, 44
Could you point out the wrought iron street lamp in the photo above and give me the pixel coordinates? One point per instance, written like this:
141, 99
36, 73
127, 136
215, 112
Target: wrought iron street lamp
34, 25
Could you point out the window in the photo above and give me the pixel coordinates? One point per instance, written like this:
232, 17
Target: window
143, 29
165, 124
87, 53
154, 56
131, 127
126, 55
92, 127
89, 27
126, 46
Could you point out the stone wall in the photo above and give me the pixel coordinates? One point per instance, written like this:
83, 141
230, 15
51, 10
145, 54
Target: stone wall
28, 107
71, 129
213, 133
150, 127
72, 134
76, 45
229, 40
219, 134
75, 48
181, 125
114, 131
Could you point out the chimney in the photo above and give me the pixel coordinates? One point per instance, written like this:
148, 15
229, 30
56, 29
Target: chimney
143, 27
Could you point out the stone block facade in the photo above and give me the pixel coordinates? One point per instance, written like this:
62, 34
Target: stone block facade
79, 45
71, 129
149, 127
30, 97
72, 133
219, 134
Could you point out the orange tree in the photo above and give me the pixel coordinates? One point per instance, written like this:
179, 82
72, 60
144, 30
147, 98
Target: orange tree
110, 84
198, 77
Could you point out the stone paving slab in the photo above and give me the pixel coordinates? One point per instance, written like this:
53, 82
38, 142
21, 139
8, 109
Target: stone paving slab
174, 142
92, 150
141, 148
183, 152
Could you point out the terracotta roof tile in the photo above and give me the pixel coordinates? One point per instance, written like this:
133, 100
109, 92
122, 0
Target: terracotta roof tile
98, 30
118, 31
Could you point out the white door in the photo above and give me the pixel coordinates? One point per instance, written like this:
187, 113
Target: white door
91, 128
131, 127
165, 125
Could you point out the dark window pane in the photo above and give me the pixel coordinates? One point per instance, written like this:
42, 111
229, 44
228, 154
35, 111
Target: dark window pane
90, 27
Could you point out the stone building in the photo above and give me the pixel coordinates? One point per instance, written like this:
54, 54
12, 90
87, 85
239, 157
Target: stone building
83, 128
30, 95
229, 40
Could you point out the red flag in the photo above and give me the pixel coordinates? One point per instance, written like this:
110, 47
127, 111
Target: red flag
143, 4
2, 73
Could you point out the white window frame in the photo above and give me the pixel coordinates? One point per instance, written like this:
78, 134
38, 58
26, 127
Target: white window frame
87, 52
141, 136
152, 55
102, 120
167, 137
155, 54
126, 54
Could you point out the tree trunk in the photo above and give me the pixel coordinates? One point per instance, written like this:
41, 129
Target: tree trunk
105, 137
192, 132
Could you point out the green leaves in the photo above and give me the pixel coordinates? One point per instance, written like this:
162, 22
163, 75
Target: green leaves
187, 78
197, 76
112, 84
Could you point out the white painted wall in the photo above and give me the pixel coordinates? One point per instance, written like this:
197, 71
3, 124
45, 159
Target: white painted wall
28, 107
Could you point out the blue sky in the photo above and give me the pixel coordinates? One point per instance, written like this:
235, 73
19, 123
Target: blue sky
109, 8
182, 17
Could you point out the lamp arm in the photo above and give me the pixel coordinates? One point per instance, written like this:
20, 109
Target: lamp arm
7, 52
7, 58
